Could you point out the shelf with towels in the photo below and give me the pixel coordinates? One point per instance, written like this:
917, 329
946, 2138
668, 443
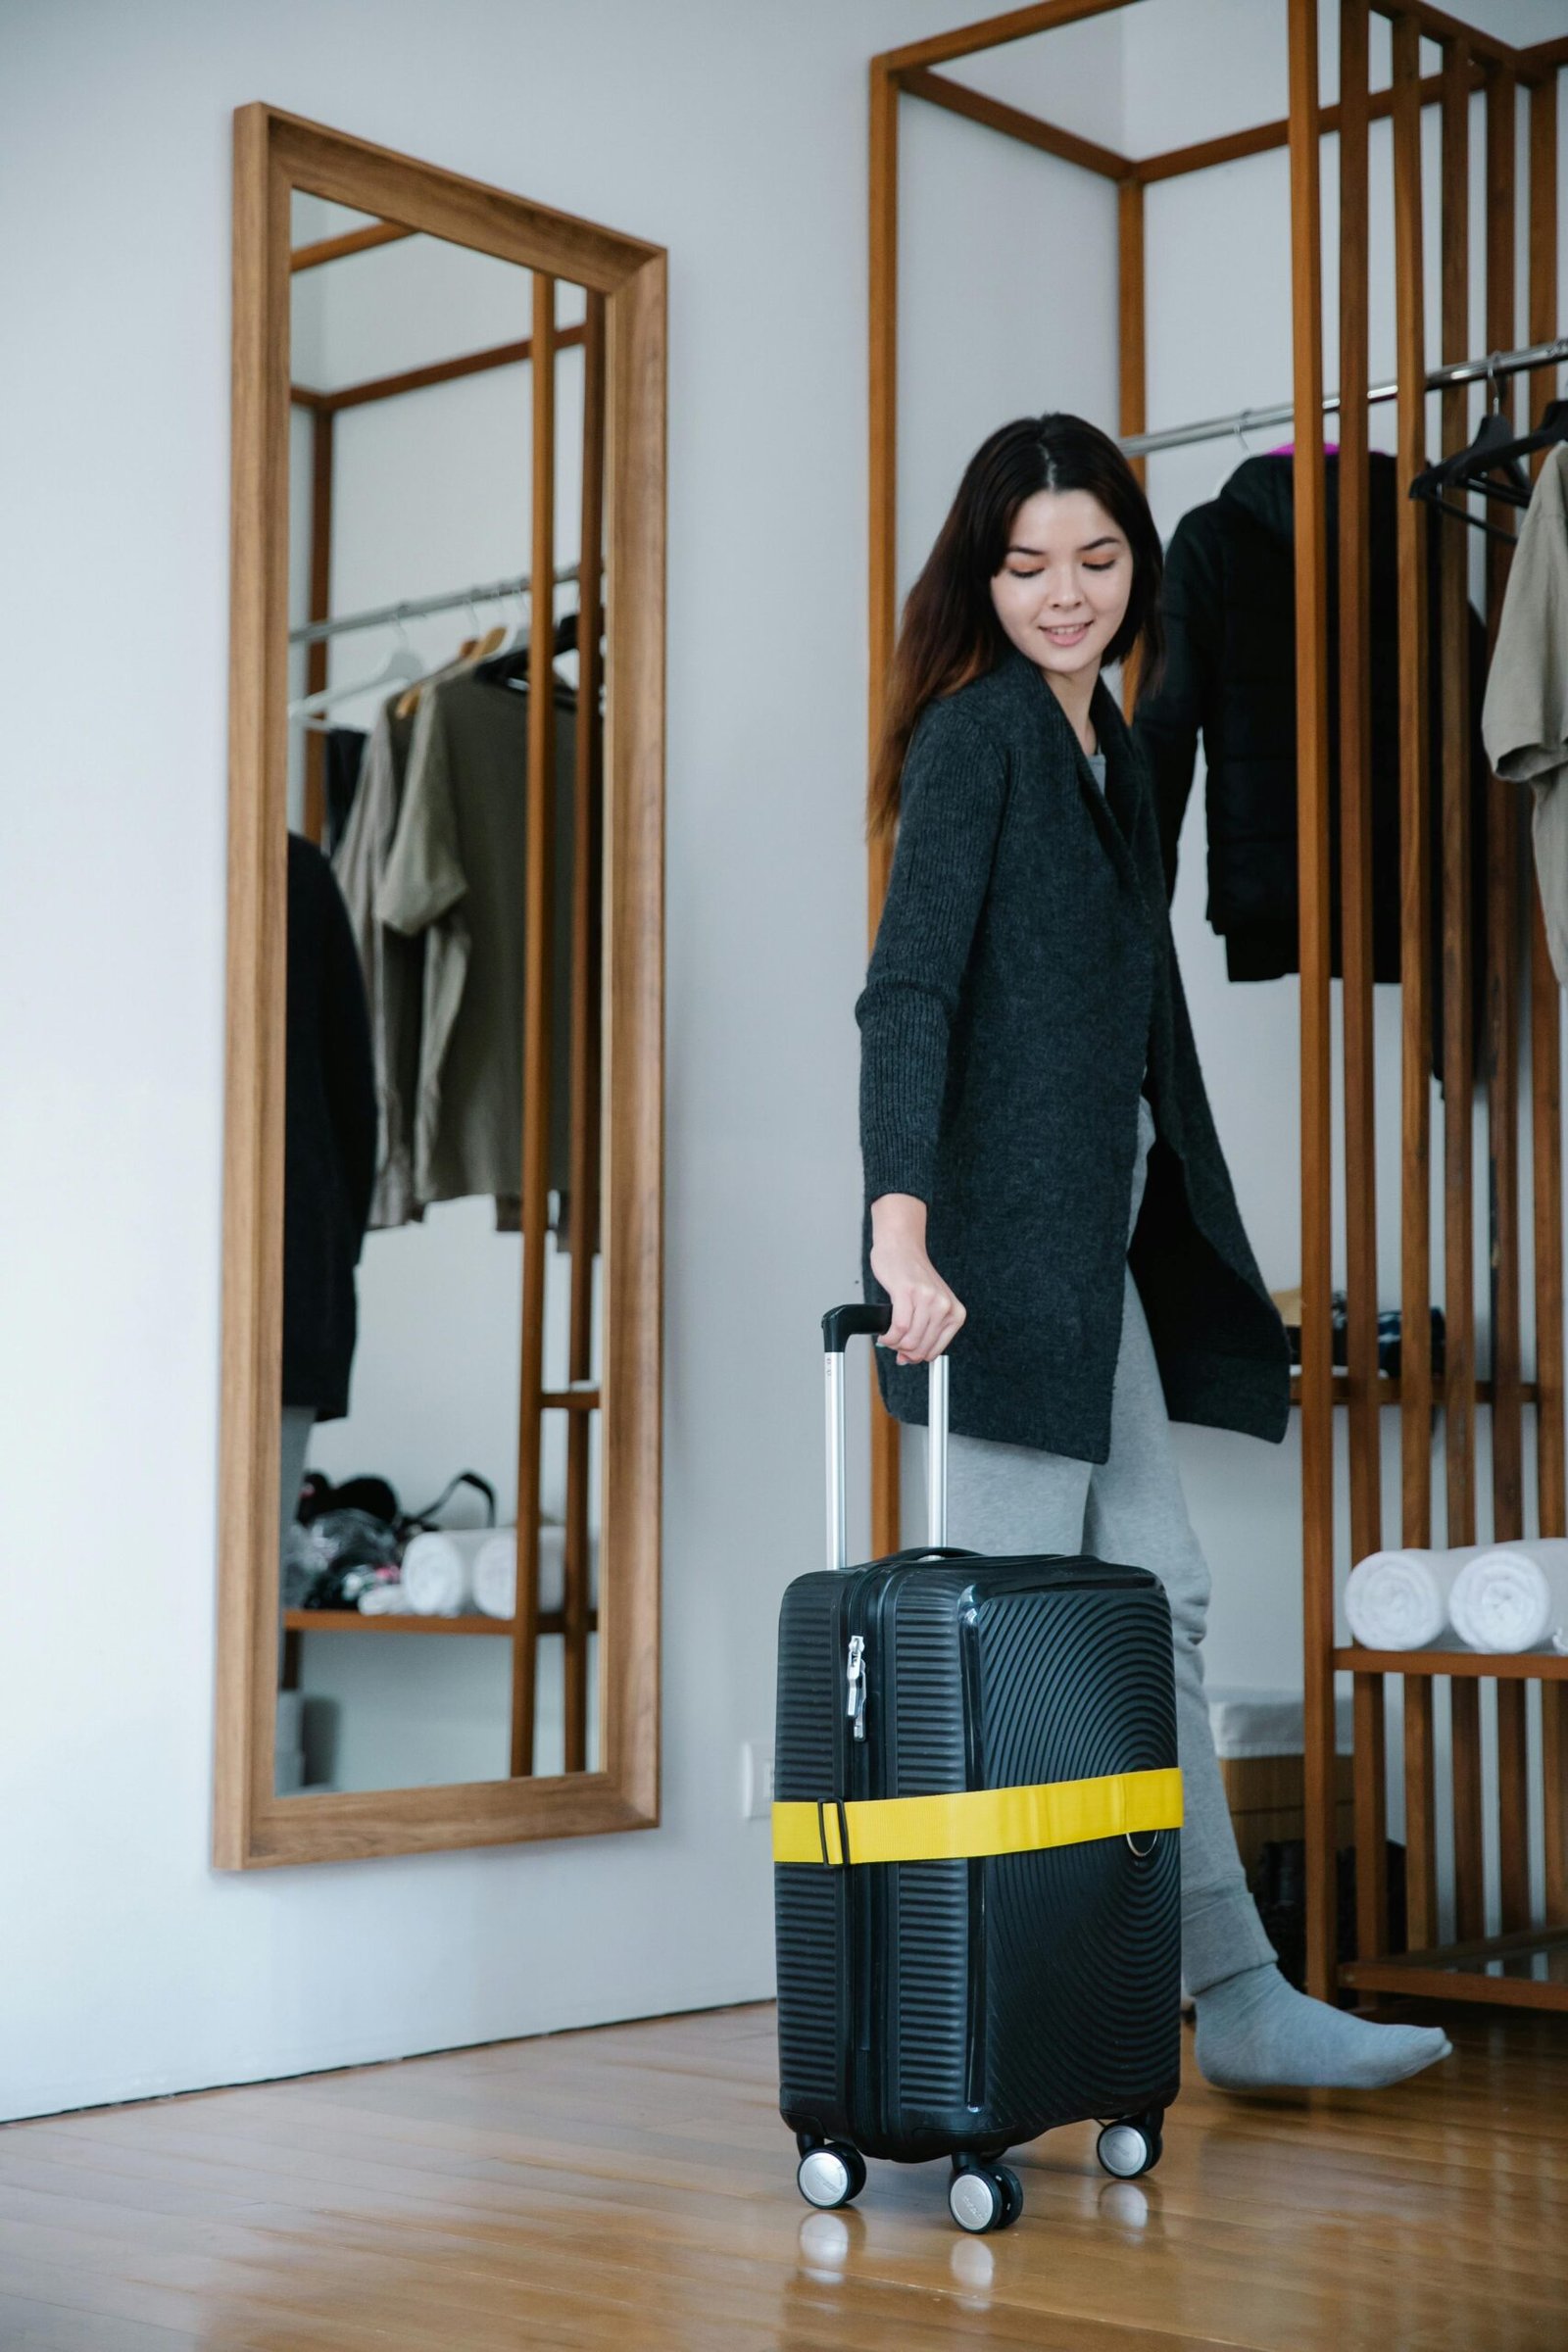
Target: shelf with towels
1501, 1665
351, 1621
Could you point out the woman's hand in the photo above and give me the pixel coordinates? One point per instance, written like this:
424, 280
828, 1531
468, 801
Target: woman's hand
926, 1317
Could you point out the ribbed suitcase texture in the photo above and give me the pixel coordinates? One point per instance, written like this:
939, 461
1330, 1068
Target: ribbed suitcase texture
932, 2007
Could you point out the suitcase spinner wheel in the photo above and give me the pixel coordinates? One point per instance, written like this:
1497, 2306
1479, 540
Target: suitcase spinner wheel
1132, 2147
982, 2197
830, 2173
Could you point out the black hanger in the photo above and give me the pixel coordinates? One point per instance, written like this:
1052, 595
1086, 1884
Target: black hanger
1489, 465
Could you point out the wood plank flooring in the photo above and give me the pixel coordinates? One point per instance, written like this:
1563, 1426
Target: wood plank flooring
633, 2188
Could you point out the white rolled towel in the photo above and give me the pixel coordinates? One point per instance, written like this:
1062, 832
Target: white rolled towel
1512, 1597
495, 1571
1400, 1599
438, 1571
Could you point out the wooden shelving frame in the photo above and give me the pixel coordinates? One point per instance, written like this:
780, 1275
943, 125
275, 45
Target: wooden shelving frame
1474, 1966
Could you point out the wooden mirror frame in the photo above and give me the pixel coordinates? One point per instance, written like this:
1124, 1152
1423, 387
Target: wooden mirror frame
275, 153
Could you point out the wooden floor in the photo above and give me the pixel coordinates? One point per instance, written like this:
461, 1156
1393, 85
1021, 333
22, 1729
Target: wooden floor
634, 2188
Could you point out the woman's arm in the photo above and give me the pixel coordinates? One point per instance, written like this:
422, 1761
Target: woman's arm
952, 799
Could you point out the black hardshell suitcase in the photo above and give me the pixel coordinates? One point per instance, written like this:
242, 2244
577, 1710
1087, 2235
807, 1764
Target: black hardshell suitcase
1025, 1970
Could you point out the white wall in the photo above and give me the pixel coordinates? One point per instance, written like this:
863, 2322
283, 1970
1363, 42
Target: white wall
735, 134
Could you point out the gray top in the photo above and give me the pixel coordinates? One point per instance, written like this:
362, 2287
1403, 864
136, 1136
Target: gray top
1097, 767
393, 966
454, 879
1525, 717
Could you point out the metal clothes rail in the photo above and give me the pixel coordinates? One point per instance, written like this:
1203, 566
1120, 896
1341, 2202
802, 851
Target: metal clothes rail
315, 633
1460, 371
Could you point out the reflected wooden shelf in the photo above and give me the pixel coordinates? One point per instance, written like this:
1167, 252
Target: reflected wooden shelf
1501, 1969
1513, 1666
571, 1401
349, 1621
1389, 1391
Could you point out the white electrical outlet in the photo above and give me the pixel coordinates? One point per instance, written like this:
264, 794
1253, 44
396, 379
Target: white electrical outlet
757, 1780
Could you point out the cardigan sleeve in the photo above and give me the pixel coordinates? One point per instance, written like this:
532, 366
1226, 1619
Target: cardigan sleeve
951, 802
1167, 720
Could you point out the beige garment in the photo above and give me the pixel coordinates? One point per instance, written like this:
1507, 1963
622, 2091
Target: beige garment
1524, 721
456, 879
392, 963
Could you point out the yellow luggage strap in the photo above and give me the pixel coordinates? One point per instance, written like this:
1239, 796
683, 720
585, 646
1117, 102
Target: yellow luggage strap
971, 1822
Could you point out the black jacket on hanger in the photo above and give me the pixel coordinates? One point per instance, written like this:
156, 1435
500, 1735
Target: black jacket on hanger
329, 1137
1230, 616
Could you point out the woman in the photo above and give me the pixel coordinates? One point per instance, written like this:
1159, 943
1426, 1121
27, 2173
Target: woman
1034, 1125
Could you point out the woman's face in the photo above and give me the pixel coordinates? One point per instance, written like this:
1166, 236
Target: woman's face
1061, 593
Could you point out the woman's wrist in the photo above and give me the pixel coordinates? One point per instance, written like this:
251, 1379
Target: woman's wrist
899, 1216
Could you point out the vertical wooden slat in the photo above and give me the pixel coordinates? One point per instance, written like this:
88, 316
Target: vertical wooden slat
1545, 1088
586, 979
1513, 1804
1311, 724
1415, 948
1507, 1479
1356, 927
1459, 1072
1501, 1045
538, 960
632, 1350
883, 521
322, 422
255, 1078
1131, 356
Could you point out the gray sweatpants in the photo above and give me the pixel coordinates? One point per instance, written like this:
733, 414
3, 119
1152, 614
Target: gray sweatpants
1130, 1508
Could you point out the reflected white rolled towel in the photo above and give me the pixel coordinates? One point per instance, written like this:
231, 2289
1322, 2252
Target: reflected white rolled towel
438, 1571
385, 1600
1400, 1599
1512, 1597
495, 1571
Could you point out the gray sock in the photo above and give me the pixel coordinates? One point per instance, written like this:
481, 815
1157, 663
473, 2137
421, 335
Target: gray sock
1257, 2033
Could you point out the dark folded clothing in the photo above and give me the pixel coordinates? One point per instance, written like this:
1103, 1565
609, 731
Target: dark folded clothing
1390, 1338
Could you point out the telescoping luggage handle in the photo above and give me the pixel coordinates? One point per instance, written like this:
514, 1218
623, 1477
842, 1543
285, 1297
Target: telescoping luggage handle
839, 1325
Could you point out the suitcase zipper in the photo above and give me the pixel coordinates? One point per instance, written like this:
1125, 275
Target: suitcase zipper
861, 1779
854, 1676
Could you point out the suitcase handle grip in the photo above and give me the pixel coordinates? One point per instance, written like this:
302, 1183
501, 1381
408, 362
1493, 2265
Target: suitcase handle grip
840, 1324
844, 1323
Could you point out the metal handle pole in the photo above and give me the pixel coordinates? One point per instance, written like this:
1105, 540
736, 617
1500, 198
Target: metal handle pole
837, 1325
838, 1517
935, 1453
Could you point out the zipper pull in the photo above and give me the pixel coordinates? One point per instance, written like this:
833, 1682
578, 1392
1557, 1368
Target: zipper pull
855, 1677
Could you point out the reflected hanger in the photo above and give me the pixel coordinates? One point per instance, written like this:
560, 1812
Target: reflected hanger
1489, 466
512, 665
474, 649
401, 666
1238, 430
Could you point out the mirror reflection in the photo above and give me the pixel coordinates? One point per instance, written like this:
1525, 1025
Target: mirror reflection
439, 1465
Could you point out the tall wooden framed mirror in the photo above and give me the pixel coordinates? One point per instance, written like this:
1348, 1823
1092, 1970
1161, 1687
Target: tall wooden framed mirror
443, 1184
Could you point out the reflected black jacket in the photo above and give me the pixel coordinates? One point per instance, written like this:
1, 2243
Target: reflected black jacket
1228, 602
1023, 974
329, 1137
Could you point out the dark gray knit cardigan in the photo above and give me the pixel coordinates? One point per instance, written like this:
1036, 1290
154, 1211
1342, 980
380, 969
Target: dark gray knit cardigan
1023, 970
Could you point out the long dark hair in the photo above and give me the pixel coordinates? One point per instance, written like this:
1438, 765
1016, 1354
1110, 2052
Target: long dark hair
950, 632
